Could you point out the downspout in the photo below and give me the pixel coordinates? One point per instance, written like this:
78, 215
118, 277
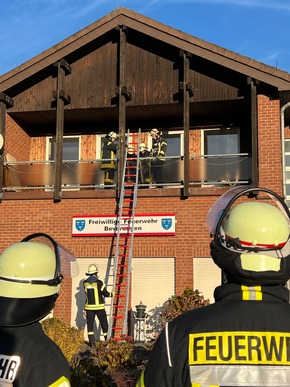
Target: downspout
282, 120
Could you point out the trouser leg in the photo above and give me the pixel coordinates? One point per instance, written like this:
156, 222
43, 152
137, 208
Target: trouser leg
102, 316
90, 314
109, 175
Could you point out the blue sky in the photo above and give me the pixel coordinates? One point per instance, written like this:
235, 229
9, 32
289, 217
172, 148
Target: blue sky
259, 29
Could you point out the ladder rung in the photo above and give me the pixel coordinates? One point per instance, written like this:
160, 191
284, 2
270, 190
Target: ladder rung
121, 247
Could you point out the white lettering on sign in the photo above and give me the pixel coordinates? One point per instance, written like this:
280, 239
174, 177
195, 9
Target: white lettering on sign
109, 225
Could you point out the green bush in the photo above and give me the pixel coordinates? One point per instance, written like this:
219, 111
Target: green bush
68, 339
112, 363
176, 305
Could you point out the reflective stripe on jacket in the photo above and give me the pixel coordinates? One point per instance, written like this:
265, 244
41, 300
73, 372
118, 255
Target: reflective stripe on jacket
241, 340
95, 293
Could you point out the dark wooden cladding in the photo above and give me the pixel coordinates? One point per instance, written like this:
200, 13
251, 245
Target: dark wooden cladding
152, 71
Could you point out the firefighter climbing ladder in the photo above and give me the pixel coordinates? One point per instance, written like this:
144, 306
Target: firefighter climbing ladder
121, 260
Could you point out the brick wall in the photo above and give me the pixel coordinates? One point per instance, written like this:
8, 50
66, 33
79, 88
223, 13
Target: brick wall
19, 218
269, 143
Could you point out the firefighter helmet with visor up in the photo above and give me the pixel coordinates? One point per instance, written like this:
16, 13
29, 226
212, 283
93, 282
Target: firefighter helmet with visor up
31, 272
251, 237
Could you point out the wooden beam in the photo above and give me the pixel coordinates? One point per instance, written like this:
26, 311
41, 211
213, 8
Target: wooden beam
61, 99
254, 130
187, 92
122, 101
5, 103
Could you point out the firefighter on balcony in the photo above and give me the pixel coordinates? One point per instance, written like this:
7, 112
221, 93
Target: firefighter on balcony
243, 338
109, 155
158, 154
95, 303
31, 273
144, 163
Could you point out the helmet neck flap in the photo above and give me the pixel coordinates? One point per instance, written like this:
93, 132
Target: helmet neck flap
230, 263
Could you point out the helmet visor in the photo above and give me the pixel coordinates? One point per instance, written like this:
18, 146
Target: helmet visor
66, 262
223, 205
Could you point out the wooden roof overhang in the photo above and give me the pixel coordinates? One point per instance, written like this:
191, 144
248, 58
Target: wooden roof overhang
17, 79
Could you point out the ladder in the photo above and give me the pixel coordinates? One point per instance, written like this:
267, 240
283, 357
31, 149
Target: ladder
120, 261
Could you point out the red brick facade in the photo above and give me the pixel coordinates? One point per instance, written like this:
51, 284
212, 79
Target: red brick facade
22, 217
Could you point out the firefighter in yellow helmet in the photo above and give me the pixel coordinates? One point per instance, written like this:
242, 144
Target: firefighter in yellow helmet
109, 155
95, 302
158, 153
144, 158
243, 338
30, 279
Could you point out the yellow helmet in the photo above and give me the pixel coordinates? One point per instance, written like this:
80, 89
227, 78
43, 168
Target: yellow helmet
30, 280
112, 135
92, 269
251, 241
255, 225
154, 131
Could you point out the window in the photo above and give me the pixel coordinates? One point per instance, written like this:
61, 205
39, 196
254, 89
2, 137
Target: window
220, 156
70, 152
174, 140
219, 141
71, 148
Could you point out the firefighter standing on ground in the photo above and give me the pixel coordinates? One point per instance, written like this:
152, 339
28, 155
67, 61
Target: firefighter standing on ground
109, 152
30, 280
243, 338
95, 303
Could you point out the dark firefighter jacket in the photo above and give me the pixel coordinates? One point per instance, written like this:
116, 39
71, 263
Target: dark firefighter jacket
159, 147
95, 293
109, 151
243, 339
29, 358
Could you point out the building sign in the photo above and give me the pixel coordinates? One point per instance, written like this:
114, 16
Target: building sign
108, 225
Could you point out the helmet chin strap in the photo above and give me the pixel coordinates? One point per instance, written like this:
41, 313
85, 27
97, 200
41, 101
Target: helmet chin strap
51, 282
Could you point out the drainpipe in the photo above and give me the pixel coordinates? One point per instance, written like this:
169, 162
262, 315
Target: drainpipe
283, 108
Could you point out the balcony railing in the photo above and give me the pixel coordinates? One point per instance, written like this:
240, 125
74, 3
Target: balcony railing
87, 174
221, 169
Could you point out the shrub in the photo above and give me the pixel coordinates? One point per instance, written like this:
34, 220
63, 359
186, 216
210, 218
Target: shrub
109, 363
69, 339
174, 306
